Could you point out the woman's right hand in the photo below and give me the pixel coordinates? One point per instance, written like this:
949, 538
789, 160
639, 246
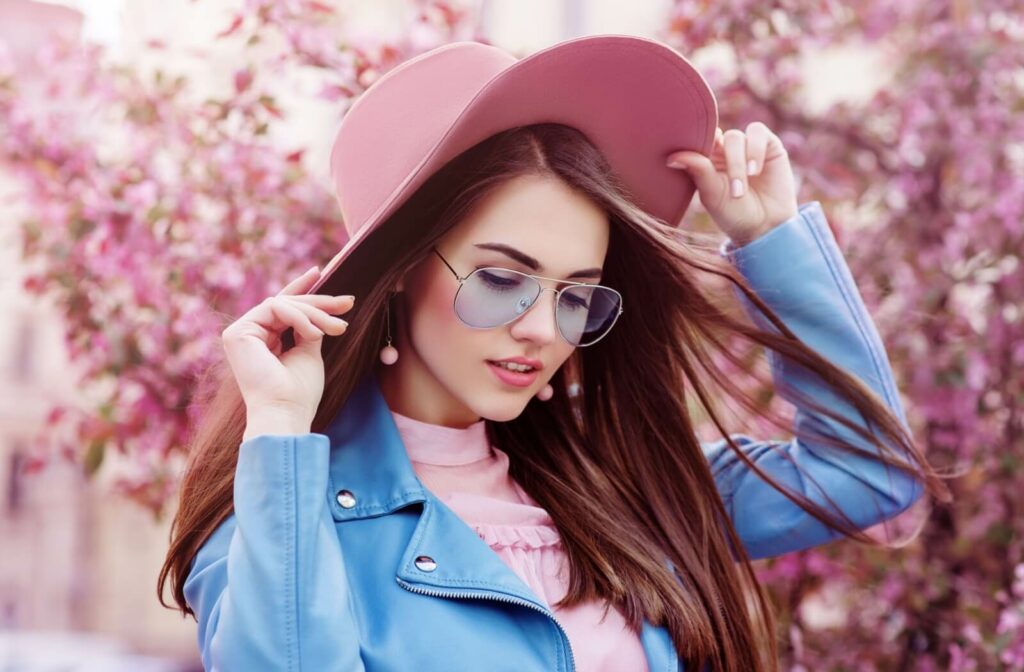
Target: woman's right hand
282, 392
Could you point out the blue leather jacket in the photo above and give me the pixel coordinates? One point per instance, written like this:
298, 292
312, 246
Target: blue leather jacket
336, 557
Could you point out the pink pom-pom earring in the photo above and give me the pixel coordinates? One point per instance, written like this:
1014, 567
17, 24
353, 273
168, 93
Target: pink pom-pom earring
546, 392
389, 353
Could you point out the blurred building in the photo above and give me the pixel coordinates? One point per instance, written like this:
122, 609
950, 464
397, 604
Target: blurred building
78, 567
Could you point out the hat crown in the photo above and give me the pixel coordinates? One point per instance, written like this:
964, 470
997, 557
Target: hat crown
635, 99
399, 118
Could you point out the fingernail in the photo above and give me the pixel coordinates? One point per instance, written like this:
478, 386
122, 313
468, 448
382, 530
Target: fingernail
675, 163
737, 187
751, 167
311, 269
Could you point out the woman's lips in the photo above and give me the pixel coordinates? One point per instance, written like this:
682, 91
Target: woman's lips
514, 378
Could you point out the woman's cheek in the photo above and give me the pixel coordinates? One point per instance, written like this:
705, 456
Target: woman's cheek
442, 315
450, 342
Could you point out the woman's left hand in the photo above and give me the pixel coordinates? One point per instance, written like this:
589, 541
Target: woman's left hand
766, 198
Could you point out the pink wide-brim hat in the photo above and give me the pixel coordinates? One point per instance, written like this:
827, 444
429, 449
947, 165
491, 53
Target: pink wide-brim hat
636, 99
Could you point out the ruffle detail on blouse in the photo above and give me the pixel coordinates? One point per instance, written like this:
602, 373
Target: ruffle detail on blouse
518, 536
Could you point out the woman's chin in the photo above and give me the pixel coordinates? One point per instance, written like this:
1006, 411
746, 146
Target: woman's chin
503, 407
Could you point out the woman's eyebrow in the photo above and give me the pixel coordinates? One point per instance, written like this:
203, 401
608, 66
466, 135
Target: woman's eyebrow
533, 264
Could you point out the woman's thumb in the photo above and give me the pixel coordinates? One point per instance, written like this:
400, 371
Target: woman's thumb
699, 167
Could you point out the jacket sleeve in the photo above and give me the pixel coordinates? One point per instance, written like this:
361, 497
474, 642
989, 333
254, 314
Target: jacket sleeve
799, 271
269, 587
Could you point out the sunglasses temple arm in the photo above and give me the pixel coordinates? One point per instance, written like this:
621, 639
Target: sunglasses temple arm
434, 249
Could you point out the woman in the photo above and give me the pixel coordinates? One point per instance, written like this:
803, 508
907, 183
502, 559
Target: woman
471, 472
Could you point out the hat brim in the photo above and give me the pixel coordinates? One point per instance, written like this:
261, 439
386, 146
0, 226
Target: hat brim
637, 100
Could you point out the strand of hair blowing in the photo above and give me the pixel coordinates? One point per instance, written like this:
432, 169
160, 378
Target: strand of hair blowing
619, 467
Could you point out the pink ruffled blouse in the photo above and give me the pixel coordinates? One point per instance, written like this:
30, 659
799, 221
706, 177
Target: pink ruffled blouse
471, 477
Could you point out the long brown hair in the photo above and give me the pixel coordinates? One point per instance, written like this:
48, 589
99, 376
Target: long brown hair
618, 465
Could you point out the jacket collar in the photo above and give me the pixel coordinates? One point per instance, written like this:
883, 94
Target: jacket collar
369, 460
368, 457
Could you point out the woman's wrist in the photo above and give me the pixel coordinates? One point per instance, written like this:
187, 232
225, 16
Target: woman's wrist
274, 421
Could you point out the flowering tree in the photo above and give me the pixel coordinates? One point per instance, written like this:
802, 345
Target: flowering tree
925, 183
187, 214
157, 216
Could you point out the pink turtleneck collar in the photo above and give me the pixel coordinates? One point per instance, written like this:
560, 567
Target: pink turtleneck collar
428, 443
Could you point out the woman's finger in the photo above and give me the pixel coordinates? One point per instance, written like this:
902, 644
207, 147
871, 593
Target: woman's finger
260, 329
290, 315
735, 145
272, 316
757, 146
327, 323
706, 177
270, 329
333, 305
301, 283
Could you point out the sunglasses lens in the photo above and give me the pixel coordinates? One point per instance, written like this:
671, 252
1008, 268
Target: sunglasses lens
490, 297
586, 313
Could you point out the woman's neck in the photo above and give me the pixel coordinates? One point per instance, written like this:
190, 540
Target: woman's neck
429, 443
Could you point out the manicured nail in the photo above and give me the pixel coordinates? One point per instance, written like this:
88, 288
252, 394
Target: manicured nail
737, 187
751, 167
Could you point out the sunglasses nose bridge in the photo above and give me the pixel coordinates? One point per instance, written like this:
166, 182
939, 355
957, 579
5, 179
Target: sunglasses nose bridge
536, 299
547, 289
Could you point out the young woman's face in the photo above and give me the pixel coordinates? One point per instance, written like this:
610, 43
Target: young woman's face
443, 374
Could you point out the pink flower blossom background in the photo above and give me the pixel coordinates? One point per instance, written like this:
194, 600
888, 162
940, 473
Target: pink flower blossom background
187, 213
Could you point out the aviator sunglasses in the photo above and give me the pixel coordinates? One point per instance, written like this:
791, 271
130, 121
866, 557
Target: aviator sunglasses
492, 296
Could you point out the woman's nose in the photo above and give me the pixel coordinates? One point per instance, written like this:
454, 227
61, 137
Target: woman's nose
538, 322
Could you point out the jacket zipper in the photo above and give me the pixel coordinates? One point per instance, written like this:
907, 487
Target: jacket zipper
500, 598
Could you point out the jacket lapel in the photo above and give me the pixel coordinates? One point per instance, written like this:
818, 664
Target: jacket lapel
369, 460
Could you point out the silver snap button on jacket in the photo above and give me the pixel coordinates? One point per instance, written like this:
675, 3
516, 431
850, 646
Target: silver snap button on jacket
346, 499
426, 563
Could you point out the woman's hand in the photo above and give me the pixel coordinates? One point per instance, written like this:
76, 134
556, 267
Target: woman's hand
745, 202
284, 389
